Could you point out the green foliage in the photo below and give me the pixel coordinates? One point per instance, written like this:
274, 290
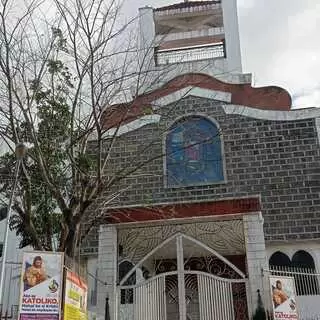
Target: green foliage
47, 227
35, 205
41, 213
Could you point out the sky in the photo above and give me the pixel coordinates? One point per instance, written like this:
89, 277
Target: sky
279, 42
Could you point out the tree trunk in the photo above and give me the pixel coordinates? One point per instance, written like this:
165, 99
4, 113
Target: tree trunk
71, 239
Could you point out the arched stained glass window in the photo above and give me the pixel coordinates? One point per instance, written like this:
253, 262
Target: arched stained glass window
193, 153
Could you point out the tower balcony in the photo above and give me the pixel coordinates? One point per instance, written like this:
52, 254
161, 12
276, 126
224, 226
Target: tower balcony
190, 53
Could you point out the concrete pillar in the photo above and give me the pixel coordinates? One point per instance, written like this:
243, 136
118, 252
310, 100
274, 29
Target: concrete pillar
231, 30
107, 271
147, 35
256, 260
146, 61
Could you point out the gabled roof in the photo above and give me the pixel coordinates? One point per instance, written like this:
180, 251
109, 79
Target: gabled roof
188, 4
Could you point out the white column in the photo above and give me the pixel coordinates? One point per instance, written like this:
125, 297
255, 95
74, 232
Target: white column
181, 282
146, 38
256, 260
146, 61
231, 30
107, 271
318, 128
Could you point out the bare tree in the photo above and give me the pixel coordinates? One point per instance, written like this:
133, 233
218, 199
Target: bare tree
59, 72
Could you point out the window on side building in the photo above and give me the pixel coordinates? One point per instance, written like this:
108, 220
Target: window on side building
279, 260
305, 278
301, 267
194, 153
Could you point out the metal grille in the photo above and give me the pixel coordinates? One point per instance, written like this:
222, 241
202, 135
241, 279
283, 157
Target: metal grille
164, 57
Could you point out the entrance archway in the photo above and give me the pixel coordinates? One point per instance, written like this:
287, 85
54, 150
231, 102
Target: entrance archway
191, 281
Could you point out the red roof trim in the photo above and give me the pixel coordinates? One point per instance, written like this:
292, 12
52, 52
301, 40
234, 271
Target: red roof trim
266, 98
183, 210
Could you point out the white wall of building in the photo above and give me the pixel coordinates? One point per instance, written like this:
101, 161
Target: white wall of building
13, 269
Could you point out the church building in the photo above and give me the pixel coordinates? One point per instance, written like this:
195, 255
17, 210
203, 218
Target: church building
227, 190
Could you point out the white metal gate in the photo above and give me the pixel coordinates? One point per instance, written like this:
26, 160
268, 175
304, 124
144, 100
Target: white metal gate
182, 294
215, 298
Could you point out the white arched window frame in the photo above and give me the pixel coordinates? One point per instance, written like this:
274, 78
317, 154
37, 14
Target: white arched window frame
301, 265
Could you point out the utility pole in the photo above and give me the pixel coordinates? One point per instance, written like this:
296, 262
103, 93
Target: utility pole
20, 151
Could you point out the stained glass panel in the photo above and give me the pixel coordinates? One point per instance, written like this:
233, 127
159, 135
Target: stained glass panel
193, 149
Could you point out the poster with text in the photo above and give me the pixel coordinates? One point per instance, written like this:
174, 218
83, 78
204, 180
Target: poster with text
40, 288
283, 296
75, 298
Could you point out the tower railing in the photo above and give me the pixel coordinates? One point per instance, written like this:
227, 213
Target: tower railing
188, 54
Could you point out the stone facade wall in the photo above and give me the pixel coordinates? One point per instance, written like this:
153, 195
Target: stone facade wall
278, 160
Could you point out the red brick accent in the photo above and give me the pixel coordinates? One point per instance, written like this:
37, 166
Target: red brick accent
267, 98
184, 210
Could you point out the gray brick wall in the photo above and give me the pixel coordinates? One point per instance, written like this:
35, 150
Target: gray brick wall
277, 160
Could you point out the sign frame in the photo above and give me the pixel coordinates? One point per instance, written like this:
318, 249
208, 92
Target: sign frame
54, 286
283, 297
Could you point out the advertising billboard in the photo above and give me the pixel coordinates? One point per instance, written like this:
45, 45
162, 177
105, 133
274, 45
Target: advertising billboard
283, 296
41, 286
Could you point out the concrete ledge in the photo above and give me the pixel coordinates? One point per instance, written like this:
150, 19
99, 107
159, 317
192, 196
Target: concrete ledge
273, 115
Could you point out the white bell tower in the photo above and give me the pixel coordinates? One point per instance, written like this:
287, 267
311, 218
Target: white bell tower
192, 36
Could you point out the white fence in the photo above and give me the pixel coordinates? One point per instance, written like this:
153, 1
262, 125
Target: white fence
307, 289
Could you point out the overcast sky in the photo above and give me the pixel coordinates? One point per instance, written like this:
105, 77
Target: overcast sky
280, 43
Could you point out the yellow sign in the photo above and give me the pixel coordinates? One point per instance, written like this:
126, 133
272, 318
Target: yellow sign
75, 301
